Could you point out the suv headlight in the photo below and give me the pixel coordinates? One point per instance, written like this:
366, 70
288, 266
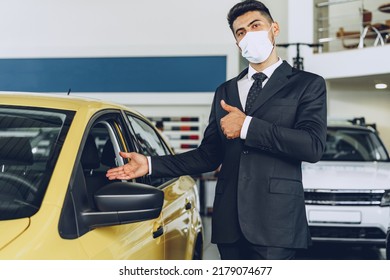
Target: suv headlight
385, 201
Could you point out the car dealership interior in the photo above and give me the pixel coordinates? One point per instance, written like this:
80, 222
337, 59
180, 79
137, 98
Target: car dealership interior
165, 60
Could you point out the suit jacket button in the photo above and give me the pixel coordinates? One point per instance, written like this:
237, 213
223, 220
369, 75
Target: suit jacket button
245, 152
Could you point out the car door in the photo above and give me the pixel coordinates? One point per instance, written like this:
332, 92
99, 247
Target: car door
102, 141
178, 192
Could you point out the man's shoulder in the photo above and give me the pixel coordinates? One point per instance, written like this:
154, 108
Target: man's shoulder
298, 76
307, 77
228, 83
305, 74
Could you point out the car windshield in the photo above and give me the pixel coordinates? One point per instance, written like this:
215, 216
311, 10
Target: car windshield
30, 142
344, 144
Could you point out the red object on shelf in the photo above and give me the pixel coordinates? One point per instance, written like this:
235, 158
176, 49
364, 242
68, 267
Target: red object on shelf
188, 146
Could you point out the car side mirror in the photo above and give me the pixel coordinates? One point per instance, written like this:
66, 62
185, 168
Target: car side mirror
123, 203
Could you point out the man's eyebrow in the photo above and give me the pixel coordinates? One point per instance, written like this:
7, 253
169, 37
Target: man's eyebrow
252, 22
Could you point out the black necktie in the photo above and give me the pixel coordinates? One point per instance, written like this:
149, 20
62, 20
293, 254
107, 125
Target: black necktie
255, 90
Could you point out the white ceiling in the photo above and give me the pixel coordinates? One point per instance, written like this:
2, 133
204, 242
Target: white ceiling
361, 83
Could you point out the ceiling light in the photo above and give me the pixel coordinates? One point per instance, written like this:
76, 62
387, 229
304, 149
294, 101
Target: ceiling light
380, 86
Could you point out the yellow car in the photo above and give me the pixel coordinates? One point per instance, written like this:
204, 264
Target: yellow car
55, 200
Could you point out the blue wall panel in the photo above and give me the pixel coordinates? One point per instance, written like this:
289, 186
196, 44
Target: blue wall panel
120, 74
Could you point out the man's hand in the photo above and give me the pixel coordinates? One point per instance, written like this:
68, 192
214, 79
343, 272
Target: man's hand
137, 167
232, 123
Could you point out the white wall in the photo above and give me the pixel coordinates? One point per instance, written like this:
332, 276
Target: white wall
82, 27
101, 28
101, 25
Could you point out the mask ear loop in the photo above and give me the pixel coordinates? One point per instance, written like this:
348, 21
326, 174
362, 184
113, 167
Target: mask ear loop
272, 24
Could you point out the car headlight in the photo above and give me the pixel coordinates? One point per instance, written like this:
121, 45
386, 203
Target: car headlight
385, 201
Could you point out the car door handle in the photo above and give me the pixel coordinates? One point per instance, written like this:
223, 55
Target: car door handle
188, 205
158, 232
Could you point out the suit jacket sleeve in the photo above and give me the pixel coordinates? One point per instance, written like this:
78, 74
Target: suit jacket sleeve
207, 157
306, 140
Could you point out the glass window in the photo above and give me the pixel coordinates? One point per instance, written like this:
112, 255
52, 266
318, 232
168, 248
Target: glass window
30, 142
149, 142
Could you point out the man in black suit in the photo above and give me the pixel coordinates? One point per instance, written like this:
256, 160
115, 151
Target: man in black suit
261, 127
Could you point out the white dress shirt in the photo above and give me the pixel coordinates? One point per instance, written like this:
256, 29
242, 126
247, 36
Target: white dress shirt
243, 89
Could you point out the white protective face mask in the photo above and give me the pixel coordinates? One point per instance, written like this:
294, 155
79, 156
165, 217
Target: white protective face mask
256, 47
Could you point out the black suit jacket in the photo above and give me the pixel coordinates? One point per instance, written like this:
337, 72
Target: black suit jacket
259, 189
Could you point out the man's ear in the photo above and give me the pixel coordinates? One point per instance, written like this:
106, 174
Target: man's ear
275, 28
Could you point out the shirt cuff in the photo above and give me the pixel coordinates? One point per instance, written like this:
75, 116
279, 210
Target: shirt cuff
150, 165
245, 127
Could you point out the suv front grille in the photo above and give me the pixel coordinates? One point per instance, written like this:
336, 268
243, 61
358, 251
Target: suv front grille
343, 197
347, 232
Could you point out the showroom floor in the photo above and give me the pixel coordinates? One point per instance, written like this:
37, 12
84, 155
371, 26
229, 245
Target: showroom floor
317, 252
210, 251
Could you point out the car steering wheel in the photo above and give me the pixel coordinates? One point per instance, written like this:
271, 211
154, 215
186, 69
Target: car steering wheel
19, 181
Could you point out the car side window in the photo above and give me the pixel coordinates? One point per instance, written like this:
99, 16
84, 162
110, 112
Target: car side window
149, 143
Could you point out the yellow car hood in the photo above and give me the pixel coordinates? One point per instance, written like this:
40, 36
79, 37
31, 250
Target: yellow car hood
11, 229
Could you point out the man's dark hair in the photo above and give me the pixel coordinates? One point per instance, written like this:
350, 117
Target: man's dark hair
247, 6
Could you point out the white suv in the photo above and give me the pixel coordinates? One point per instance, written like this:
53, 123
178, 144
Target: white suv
347, 193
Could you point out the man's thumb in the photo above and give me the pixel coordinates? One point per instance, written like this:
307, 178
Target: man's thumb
226, 107
125, 155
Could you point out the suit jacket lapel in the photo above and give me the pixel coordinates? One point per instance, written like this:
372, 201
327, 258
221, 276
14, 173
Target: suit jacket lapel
277, 81
233, 94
